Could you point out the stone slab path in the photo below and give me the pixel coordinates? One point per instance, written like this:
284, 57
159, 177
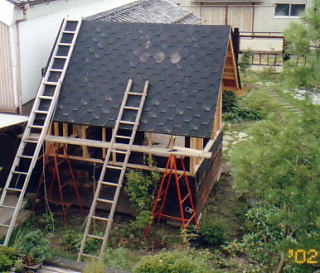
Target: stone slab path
231, 138
54, 269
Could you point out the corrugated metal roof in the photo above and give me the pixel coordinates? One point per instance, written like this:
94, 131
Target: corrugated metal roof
148, 11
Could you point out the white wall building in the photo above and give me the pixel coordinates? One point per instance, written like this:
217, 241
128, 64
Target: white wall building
247, 15
28, 29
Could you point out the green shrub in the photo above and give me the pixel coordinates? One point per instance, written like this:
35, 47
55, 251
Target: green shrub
140, 187
8, 258
244, 62
233, 111
175, 262
46, 222
119, 258
261, 241
34, 245
259, 102
71, 240
94, 267
212, 231
267, 74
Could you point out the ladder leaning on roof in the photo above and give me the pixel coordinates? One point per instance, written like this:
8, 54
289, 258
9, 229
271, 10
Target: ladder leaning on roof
38, 123
111, 171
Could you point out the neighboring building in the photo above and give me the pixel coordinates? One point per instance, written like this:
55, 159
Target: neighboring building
248, 15
28, 29
148, 11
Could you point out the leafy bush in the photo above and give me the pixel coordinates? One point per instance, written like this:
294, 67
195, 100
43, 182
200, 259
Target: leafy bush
212, 231
267, 74
259, 102
46, 222
119, 258
244, 62
175, 261
140, 188
233, 111
34, 245
261, 241
71, 240
8, 258
94, 267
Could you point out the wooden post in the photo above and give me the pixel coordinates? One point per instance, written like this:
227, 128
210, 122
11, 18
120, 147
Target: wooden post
85, 152
56, 128
114, 155
195, 143
218, 117
104, 138
148, 137
65, 134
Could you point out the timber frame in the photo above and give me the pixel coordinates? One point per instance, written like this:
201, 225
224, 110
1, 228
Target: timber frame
231, 79
198, 150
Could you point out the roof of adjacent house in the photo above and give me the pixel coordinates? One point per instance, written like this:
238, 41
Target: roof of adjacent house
148, 11
183, 63
30, 2
229, 1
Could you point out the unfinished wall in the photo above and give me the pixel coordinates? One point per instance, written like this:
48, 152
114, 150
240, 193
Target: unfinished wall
208, 173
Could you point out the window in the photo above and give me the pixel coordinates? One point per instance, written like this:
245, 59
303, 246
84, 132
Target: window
289, 9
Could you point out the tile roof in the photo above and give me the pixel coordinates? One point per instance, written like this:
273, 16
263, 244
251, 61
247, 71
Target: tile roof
148, 11
30, 2
183, 63
229, 1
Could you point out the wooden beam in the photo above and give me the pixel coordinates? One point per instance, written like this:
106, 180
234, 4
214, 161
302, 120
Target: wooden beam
228, 87
229, 77
129, 165
176, 150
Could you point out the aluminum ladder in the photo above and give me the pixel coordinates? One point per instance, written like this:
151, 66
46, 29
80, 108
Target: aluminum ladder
112, 170
38, 123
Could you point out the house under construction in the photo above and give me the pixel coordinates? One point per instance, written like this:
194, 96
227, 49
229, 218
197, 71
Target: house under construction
115, 94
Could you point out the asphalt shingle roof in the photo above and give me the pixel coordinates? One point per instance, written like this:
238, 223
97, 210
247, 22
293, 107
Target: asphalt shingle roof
148, 11
183, 63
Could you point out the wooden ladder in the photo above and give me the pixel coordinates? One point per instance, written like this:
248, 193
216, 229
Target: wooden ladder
112, 173
38, 124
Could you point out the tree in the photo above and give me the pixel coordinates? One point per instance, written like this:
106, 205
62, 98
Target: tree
280, 167
304, 41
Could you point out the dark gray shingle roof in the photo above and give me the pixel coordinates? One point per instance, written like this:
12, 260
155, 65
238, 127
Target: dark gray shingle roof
148, 11
183, 63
